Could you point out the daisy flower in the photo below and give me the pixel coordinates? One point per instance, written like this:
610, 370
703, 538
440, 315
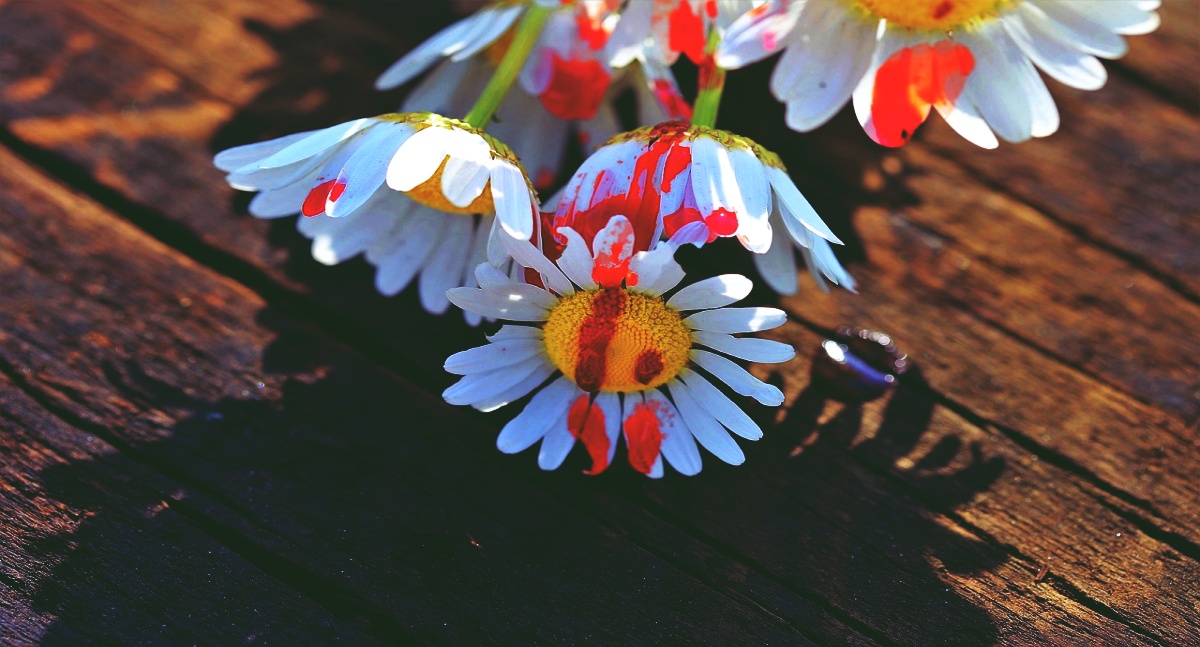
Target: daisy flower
445, 180
567, 70
971, 60
667, 176
627, 360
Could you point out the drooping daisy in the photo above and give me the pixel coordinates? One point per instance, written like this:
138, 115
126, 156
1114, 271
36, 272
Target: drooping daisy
569, 70
667, 176
445, 180
626, 359
972, 60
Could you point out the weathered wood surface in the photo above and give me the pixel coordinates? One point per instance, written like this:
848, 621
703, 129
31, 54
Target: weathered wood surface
207, 437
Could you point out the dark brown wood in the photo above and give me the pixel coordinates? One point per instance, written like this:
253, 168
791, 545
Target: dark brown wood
1033, 481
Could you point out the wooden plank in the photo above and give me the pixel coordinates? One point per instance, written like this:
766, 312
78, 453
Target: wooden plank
146, 393
1166, 60
90, 551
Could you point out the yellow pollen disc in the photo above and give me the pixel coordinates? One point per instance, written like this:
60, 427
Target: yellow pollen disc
932, 15
612, 339
429, 193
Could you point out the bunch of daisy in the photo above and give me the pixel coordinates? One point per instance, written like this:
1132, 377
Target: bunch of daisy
596, 330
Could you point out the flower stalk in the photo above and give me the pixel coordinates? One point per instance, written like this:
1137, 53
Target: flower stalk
510, 66
711, 85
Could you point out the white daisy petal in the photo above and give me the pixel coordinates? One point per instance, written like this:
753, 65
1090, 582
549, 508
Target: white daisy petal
1061, 61
411, 242
1074, 27
364, 172
523, 252
576, 260
778, 265
738, 378
556, 444
446, 264
493, 356
315, 143
795, 208
731, 320
515, 302
517, 391
715, 292
711, 435
678, 445
419, 158
514, 205
480, 386
720, 406
547, 407
464, 179
610, 406
751, 349
507, 332
279, 202
232, 159
754, 230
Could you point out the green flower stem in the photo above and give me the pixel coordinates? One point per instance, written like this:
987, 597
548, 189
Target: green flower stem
510, 66
712, 84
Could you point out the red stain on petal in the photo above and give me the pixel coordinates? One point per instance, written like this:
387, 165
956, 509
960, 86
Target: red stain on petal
314, 203
591, 28
336, 192
911, 82
643, 436
576, 87
671, 101
640, 203
721, 222
586, 423
613, 250
686, 31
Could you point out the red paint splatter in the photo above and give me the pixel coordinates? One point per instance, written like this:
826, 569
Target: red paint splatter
721, 222
586, 423
912, 81
545, 178
613, 252
595, 334
710, 8
640, 204
671, 101
576, 87
648, 366
643, 436
943, 10
686, 31
591, 28
314, 203
336, 192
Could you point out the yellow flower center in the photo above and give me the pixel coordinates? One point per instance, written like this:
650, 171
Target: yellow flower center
612, 339
932, 15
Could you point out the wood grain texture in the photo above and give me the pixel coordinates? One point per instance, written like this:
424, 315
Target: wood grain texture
1032, 482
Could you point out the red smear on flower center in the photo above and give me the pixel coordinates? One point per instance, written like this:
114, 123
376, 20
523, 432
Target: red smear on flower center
721, 222
643, 436
576, 87
595, 334
943, 10
314, 203
685, 31
586, 423
671, 101
648, 366
912, 81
